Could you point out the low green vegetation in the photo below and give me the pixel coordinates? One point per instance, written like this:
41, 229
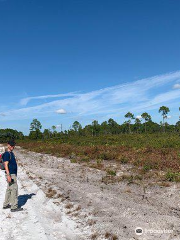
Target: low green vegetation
111, 172
151, 154
172, 176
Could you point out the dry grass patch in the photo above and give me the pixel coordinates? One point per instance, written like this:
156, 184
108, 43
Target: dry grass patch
69, 205
51, 193
164, 184
76, 214
78, 208
111, 236
127, 190
31, 177
59, 195
91, 222
94, 236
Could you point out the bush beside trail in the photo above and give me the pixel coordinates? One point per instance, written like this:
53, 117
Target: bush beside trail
153, 151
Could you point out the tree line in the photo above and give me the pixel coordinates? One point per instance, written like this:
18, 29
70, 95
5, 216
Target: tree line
141, 124
7, 134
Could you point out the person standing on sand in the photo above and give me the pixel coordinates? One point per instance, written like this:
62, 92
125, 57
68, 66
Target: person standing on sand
10, 165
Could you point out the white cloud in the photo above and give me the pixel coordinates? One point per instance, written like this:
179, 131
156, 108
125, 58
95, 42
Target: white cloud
176, 86
137, 96
61, 111
139, 116
25, 101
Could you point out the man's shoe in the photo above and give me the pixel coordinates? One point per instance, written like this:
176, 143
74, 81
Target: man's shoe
17, 209
8, 206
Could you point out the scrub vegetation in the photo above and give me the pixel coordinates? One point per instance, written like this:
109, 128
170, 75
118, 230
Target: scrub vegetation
138, 141
153, 151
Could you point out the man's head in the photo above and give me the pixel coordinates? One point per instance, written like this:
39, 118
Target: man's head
11, 145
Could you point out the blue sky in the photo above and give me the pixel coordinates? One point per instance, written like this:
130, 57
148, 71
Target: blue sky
67, 60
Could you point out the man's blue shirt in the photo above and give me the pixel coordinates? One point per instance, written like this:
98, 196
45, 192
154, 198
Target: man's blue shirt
10, 157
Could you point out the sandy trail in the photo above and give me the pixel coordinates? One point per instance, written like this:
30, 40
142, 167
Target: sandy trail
41, 218
72, 202
115, 209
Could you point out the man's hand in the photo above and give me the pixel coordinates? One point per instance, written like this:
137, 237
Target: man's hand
9, 179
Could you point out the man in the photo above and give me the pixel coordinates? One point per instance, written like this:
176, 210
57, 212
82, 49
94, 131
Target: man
10, 165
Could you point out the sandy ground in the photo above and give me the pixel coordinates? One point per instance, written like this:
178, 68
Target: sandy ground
41, 219
72, 202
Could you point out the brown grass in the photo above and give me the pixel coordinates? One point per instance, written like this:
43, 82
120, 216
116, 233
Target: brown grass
91, 222
111, 236
147, 157
69, 205
51, 193
94, 236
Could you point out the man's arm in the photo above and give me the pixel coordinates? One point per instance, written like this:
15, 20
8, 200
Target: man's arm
7, 171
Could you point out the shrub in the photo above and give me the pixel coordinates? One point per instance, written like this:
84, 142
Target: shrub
73, 160
124, 160
147, 167
111, 172
85, 159
172, 176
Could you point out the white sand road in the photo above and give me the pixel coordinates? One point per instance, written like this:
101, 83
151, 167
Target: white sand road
83, 206
41, 218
